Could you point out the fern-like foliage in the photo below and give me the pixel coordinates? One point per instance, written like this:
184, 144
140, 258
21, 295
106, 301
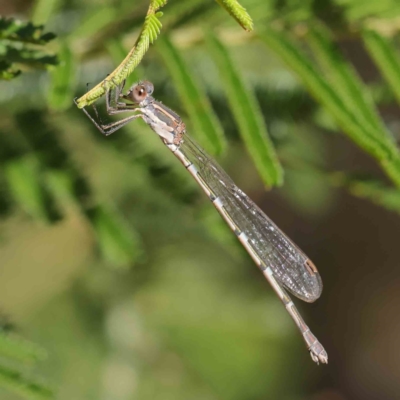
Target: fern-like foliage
382, 49
376, 142
205, 123
21, 46
238, 12
248, 116
301, 34
16, 349
140, 211
151, 29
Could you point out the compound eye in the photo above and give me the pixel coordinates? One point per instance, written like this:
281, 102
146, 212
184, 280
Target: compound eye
149, 87
139, 93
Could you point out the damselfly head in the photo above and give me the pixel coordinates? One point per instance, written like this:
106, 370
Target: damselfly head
139, 91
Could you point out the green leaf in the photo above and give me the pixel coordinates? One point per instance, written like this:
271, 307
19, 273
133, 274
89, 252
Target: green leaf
43, 10
248, 115
7, 71
62, 80
24, 32
238, 12
356, 10
94, 23
117, 51
117, 241
205, 123
13, 346
369, 189
31, 56
342, 76
21, 43
16, 382
156, 4
151, 29
23, 181
187, 12
380, 147
387, 58
69, 189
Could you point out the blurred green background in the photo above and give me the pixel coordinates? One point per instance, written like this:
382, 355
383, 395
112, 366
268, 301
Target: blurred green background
114, 263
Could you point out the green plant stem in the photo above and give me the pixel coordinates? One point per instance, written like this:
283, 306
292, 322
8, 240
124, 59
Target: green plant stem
148, 34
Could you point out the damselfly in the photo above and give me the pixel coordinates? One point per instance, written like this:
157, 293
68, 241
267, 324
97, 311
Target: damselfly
280, 260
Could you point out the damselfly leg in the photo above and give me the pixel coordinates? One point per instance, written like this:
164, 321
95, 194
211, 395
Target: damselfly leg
113, 106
